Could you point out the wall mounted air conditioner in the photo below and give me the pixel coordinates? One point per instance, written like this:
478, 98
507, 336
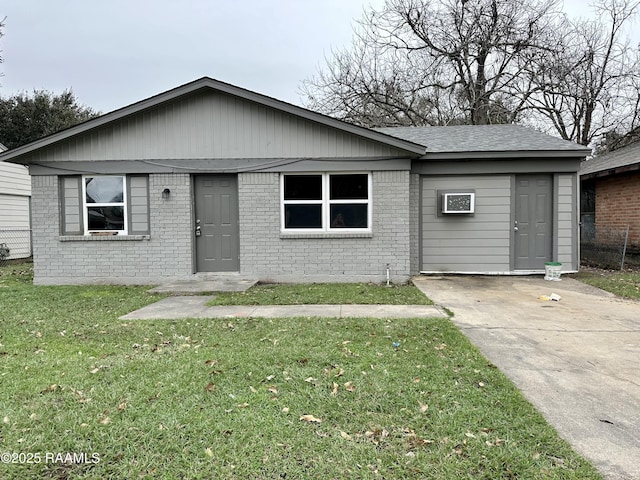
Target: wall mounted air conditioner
458, 202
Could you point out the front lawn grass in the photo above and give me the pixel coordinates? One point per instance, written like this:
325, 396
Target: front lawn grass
623, 284
325, 294
253, 398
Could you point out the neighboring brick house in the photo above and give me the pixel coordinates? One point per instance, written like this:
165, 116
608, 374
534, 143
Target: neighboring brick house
209, 177
611, 196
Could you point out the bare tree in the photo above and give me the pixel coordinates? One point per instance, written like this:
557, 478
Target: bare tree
588, 85
372, 85
421, 62
1, 35
437, 62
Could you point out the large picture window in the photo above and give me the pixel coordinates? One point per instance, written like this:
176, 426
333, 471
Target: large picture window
104, 206
326, 202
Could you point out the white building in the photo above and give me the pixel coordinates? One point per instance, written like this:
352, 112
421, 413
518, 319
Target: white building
15, 199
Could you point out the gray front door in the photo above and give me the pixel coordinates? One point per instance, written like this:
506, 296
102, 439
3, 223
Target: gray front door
217, 237
533, 221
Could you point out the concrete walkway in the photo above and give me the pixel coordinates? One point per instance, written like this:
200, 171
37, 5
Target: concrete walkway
194, 307
577, 360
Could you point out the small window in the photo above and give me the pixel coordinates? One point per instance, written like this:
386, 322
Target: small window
326, 202
104, 208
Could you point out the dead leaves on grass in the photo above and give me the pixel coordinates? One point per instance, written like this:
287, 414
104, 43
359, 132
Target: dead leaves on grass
334, 390
80, 396
376, 436
178, 344
310, 419
50, 388
334, 371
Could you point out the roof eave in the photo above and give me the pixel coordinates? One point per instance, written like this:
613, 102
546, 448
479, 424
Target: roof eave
207, 82
607, 172
577, 153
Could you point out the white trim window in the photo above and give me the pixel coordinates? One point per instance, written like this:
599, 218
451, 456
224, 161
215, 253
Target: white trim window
104, 205
326, 202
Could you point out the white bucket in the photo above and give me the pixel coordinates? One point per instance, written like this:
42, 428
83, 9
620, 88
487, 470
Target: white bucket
552, 271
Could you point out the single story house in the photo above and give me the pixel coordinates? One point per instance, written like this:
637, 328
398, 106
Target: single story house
15, 198
611, 196
212, 178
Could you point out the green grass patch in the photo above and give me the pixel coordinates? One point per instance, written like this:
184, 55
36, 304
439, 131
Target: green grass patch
254, 398
623, 284
325, 294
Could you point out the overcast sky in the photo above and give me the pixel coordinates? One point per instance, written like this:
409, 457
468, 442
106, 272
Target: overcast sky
115, 52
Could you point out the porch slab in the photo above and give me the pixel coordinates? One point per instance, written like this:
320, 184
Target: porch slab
205, 285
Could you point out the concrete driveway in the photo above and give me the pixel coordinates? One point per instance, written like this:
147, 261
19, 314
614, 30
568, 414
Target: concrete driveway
577, 360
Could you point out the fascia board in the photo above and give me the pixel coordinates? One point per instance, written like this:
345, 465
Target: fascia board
577, 153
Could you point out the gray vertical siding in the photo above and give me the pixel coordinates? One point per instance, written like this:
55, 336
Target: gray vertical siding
212, 125
138, 207
566, 213
463, 243
71, 205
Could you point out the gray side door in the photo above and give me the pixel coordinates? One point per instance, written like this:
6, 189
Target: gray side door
533, 221
217, 233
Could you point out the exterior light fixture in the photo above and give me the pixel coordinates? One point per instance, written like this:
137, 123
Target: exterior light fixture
165, 193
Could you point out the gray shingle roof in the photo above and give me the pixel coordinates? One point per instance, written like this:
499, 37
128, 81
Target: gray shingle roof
624, 157
482, 138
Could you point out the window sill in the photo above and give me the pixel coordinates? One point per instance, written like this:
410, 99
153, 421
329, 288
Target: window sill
103, 238
302, 235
